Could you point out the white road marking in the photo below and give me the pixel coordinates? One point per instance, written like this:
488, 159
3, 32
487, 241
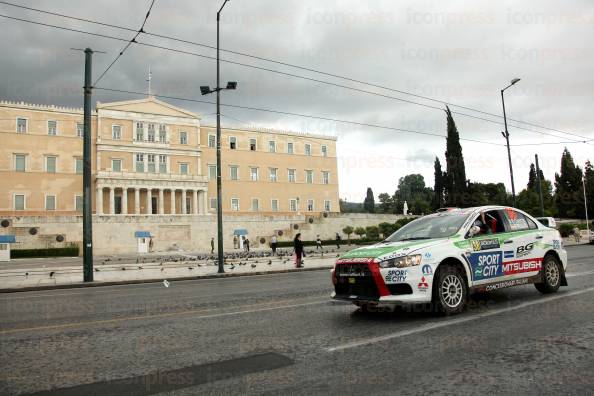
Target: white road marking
455, 321
579, 274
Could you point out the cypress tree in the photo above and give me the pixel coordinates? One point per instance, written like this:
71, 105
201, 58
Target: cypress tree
455, 186
438, 186
532, 178
568, 188
369, 203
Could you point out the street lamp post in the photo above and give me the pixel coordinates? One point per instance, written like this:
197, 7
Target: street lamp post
586, 206
206, 90
506, 136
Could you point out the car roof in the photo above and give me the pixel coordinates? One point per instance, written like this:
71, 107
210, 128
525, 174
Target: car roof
472, 210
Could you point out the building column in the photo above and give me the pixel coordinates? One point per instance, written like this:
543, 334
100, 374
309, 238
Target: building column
125, 200
136, 201
111, 200
99, 203
195, 203
204, 202
161, 204
149, 201
183, 205
172, 201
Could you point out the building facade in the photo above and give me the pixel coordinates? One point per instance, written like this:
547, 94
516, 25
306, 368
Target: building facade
152, 158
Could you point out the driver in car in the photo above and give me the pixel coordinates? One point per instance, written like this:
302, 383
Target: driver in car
481, 223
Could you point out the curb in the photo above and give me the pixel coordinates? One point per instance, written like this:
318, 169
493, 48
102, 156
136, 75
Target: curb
81, 285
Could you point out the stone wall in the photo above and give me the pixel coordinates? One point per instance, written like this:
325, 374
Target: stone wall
115, 234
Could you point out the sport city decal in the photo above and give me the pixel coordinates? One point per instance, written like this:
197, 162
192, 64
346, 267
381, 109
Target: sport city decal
396, 275
485, 244
485, 265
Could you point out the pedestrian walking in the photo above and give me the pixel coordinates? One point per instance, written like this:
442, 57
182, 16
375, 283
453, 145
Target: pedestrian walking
338, 239
235, 242
576, 234
246, 244
211, 245
299, 253
318, 243
273, 244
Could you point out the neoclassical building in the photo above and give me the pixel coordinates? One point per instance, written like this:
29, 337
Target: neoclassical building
153, 158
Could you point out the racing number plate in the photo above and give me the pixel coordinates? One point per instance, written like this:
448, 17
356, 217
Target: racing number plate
352, 280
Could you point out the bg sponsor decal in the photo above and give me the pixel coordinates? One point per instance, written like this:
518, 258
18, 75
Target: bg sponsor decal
396, 275
427, 270
510, 283
423, 285
485, 244
519, 266
524, 250
485, 265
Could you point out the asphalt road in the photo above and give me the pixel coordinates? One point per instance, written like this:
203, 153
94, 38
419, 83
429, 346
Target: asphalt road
281, 334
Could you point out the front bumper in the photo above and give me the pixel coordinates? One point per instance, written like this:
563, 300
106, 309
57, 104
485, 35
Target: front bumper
364, 281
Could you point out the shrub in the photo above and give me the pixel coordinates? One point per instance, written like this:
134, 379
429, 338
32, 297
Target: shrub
360, 231
372, 232
566, 229
71, 251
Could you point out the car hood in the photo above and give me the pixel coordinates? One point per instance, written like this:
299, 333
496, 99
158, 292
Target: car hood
393, 249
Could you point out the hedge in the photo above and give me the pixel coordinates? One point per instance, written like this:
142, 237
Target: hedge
330, 242
54, 252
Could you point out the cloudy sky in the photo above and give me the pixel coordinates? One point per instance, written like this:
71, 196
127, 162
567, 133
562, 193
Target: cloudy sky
460, 52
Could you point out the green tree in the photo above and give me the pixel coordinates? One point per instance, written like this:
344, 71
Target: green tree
411, 188
438, 201
372, 232
386, 203
568, 188
386, 229
529, 199
348, 230
369, 203
455, 184
360, 231
479, 194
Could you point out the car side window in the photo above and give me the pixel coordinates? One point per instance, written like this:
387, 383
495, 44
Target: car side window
490, 222
517, 221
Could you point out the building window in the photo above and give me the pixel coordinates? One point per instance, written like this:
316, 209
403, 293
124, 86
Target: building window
151, 163
274, 205
327, 206
78, 203
212, 172
324, 151
20, 162
139, 162
151, 133
273, 174
116, 132
139, 131
309, 176
80, 129
272, 146
21, 125
162, 164
310, 205
293, 205
162, 133
254, 174
78, 165
325, 177
232, 142
50, 164
183, 169
255, 205
212, 141
183, 137
307, 149
19, 201
253, 145
52, 128
291, 176
213, 204
235, 204
116, 165
233, 172
289, 148
50, 202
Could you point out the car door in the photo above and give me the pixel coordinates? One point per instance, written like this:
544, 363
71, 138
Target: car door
485, 254
523, 249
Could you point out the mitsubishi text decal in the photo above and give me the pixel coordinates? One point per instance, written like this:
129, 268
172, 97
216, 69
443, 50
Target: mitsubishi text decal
519, 266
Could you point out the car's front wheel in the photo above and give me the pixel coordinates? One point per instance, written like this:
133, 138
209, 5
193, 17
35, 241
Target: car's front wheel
551, 275
450, 291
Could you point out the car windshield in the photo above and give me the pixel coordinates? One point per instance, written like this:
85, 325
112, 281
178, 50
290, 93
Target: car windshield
429, 227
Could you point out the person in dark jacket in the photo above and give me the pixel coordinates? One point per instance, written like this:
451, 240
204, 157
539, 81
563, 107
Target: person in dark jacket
299, 253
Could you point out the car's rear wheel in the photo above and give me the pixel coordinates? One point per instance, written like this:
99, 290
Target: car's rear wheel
551, 275
450, 291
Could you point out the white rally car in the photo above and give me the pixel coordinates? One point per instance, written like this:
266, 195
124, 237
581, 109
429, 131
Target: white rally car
441, 258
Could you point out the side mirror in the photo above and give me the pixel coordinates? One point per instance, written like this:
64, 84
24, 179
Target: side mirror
474, 230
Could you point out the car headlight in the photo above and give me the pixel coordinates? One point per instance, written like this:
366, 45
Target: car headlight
401, 262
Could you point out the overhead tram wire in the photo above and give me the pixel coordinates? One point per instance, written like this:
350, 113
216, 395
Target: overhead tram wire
297, 67
133, 40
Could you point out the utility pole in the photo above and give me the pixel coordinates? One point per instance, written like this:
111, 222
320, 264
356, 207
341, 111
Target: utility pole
586, 205
506, 135
539, 186
87, 195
